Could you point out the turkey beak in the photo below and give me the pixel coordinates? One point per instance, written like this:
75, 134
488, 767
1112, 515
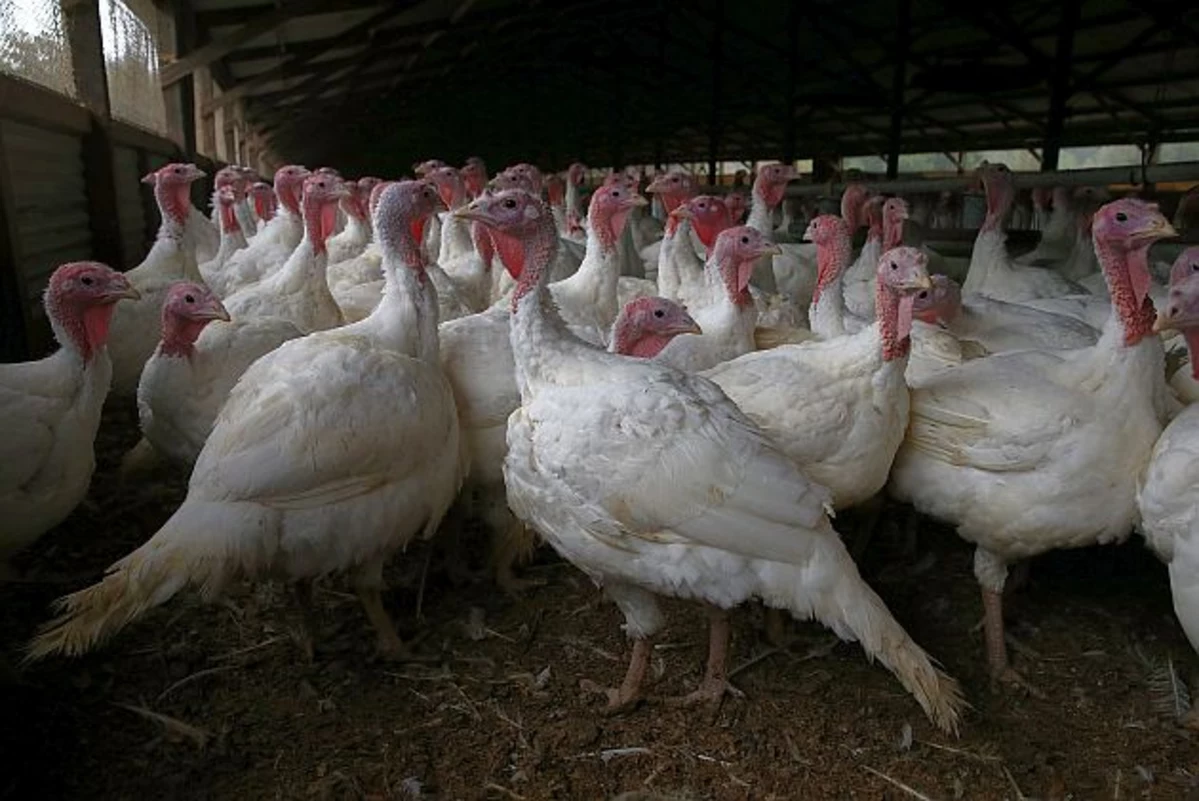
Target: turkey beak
124, 291
682, 212
922, 282
635, 201
194, 173
216, 311
686, 326
1164, 322
472, 213
770, 249
1159, 228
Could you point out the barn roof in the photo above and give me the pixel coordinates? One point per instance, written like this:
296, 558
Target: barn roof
378, 85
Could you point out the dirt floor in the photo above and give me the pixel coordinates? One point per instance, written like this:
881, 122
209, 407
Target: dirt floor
216, 702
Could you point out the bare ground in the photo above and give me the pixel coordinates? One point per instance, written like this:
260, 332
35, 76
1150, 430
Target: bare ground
216, 702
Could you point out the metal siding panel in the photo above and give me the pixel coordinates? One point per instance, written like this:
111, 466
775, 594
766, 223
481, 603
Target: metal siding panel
50, 201
129, 204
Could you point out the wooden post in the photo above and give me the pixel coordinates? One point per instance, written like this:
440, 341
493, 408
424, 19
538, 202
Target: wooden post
82, 23
206, 135
1059, 94
898, 84
15, 318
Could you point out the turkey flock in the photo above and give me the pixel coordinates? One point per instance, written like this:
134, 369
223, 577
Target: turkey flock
677, 410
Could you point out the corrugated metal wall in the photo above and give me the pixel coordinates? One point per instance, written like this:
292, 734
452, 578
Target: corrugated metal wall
50, 202
130, 204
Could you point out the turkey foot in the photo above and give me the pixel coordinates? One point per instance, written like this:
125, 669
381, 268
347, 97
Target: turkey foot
997, 659
628, 694
390, 646
715, 683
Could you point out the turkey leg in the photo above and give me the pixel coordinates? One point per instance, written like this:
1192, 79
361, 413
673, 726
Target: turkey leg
508, 545
390, 644
628, 694
716, 677
1001, 669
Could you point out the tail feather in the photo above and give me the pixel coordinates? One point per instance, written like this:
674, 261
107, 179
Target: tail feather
201, 546
848, 606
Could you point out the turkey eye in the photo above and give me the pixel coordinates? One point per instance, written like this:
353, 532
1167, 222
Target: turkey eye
87, 281
659, 313
745, 240
1195, 267
1121, 217
923, 294
509, 203
189, 299
894, 266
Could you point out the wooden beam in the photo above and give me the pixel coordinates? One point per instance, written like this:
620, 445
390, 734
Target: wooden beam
252, 29
351, 35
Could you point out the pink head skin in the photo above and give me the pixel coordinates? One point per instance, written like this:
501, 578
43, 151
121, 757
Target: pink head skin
226, 198
512, 180
902, 272
172, 190
737, 250
673, 188
646, 325
530, 173
709, 216
289, 185
233, 177
450, 186
609, 210
895, 212
940, 304
264, 200
737, 205
852, 200
576, 172
1087, 200
772, 182
403, 212
997, 184
79, 301
322, 193
474, 174
555, 190
1182, 306
522, 232
367, 184
187, 309
834, 249
1123, 231
423, 168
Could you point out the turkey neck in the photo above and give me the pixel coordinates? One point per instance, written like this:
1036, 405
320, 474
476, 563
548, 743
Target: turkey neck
179, 336
405, 321
759, 213
887, 305
892, 234
541, 341
827, 312
456, 240
1135, 320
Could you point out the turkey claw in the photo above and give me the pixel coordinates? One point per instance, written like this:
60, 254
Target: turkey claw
709, 693
1012, 680
618, 700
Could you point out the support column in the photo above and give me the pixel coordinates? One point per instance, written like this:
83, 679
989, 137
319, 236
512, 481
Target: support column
1059, 95
81, 20
898, 84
